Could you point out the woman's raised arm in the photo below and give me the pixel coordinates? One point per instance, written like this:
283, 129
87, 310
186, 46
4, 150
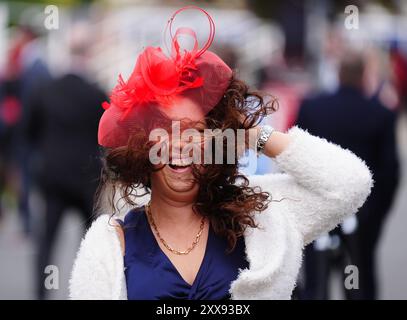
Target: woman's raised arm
327, 182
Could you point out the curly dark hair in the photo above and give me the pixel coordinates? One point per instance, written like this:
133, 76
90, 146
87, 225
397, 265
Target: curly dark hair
224, 195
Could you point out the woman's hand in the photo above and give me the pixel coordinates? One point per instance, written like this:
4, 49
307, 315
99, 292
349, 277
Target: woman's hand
276, 143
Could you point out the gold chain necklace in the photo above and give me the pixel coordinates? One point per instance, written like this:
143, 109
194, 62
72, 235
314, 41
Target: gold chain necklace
185, 252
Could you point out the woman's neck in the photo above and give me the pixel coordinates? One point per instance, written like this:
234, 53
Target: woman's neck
172, 213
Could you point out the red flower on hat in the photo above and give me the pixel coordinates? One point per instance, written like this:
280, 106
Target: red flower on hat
156, 78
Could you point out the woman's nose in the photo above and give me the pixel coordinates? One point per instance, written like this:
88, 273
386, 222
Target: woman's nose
186, 144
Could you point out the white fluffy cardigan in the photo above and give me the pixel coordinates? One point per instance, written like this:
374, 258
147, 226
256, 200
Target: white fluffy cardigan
321, 185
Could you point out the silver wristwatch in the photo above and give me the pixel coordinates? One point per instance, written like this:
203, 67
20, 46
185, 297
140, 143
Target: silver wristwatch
264, 135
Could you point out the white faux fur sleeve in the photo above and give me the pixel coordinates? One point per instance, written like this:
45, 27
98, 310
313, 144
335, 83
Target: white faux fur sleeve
323, 183
97, 273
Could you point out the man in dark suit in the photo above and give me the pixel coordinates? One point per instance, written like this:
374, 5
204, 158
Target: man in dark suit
61, 124
367, 128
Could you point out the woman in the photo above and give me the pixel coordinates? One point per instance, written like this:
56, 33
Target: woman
205, 231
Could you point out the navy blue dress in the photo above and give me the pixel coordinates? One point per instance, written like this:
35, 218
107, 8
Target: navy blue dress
150, 274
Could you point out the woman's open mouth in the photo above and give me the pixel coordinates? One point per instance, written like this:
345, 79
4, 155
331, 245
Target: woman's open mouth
179, 166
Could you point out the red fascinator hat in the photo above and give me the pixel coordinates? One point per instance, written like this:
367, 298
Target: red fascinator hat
158, 81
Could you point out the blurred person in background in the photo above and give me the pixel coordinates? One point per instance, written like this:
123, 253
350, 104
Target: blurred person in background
62, 127
25, 71
34, 73
399, 68
364, 126
380, 78
9, 112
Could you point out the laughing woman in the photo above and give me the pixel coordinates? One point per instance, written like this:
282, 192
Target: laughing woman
177, 230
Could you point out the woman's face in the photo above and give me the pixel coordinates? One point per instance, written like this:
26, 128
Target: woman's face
176, 180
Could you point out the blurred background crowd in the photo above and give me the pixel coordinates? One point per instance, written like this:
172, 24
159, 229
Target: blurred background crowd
337, 68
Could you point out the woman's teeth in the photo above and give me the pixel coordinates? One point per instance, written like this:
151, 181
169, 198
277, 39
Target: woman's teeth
176, 167
179, 164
